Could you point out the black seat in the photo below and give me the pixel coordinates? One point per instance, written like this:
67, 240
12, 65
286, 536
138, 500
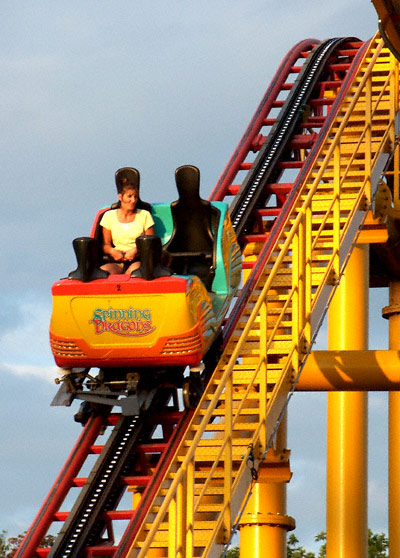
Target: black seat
151, 258
86, 251
131, 175
192, 246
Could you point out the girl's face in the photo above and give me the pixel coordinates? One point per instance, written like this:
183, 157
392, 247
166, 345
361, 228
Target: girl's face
129, 198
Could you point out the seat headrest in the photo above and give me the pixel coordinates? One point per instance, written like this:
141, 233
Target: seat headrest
127, 173
187, 178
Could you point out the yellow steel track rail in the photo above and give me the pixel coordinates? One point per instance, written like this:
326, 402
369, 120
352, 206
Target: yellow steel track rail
209, 477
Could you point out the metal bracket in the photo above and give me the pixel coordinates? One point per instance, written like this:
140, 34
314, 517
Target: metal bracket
131, 403
383, 203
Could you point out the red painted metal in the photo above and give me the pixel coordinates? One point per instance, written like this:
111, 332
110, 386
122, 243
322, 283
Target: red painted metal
101, 551
286, 68
121, 284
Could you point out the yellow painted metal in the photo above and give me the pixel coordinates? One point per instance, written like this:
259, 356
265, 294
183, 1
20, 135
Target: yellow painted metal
249, 390
136, 497
156, 553
79, 315
347, 429
265, 530
351, 371
374, 230
255, 539
264, 523
392, 312
396, 180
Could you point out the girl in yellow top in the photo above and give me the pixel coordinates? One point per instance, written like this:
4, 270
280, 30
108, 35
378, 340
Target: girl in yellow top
121, 227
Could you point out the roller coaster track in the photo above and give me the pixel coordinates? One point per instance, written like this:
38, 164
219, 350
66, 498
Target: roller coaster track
332, 130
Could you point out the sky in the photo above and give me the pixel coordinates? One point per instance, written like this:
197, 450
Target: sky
87, 87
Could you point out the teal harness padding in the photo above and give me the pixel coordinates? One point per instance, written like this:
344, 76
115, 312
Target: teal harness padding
163, 227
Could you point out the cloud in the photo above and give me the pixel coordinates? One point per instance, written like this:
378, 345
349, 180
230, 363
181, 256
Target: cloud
24, 340
43, 372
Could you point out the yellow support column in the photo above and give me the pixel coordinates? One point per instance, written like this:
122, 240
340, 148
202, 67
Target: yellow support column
347, 519
264, 524
392, 312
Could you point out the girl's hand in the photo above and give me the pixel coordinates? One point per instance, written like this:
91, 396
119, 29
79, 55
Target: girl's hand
117, 255
130, 255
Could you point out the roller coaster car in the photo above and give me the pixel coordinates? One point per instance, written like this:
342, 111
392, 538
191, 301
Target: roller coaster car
169, 311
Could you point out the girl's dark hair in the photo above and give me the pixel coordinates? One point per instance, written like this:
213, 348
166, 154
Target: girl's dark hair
124, 184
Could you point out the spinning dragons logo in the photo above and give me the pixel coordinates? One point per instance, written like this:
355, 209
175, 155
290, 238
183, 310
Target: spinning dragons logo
126, 322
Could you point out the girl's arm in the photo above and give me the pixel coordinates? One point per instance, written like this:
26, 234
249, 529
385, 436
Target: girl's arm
109, 249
